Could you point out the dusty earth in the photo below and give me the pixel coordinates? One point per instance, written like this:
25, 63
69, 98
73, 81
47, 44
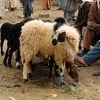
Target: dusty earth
12, 86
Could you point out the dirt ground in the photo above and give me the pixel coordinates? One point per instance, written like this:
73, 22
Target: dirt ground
12, 86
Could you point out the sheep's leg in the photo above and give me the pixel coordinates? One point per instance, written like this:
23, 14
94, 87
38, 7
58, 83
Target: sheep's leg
11, 50
61, 68
44, 62
60, 71
6, 56
81, 37
9, 60
32, 65
15, 54
26, 71
2, 40
50, 66
80, 47
18, 59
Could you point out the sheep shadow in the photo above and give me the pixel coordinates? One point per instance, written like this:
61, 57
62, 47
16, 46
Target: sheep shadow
41, 76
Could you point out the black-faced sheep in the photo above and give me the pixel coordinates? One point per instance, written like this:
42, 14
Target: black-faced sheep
12, 32
36, 39
67, 38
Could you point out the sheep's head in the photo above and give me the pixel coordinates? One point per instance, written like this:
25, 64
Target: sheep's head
61, 37
73, 72
60, 20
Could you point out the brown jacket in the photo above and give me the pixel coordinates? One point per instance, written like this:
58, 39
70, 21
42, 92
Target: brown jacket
94, 19
83, 15
94, 14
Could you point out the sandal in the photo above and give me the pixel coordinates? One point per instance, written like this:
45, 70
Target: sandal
76, 61
97, 73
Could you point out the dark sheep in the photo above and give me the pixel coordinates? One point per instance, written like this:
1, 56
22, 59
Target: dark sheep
12, 34
4, 34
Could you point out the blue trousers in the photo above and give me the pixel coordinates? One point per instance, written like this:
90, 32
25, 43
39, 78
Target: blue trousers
93, 55
61, 5
27, 7
68, 13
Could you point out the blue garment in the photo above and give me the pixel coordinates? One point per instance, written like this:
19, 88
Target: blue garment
27, 7
60, 80
70, 4
58, 1
93, 55
62, 3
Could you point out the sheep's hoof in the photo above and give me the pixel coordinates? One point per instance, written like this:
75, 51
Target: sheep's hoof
2, 53
30, 76
26, 81
10, 66
5, 63
18, 67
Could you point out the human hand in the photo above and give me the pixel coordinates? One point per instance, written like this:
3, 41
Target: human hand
93, 26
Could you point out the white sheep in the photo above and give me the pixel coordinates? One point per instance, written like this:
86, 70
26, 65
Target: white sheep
36, 38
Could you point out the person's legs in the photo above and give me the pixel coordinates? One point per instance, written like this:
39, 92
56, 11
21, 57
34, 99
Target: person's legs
89, 58
27, 8
49, 4
66, 7
88, 37
59, 5
81, 37
65, 13
62, 2
93, 55
70, 16
44, 4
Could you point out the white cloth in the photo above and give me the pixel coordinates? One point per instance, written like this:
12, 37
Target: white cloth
17, 3
12, 3
98, 4
2, 8
84, 2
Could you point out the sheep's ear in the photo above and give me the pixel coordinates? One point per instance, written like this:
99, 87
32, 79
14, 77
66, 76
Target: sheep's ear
68, 70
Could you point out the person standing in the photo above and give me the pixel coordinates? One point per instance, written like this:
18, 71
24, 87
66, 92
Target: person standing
2, 8
70, 9
17, 3
27, 7
46, 4
92, 33
61, 4
10, 4
82, 17
89, 58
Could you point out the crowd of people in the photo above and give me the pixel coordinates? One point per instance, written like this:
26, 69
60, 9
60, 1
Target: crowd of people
12, 5
88, 16
91, 37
